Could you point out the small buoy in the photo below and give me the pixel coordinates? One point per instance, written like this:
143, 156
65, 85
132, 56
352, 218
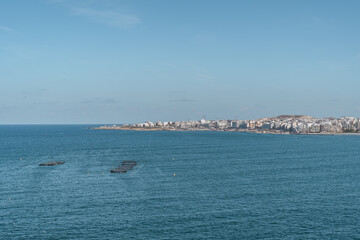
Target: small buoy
173, 158
102, 173
20, 159
174, 174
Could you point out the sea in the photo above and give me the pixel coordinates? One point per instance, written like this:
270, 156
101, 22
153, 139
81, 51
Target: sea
187, 185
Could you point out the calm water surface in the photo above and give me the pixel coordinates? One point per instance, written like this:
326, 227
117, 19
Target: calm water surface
226, 185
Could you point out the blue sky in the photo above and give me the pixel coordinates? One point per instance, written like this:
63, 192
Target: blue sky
113, 61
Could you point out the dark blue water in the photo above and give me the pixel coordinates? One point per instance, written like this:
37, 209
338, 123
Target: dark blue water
226, 185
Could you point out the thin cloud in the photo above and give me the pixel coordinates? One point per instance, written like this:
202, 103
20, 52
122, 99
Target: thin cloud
99, 101
34, 93
333, 65
6, 29
39, 91
111, 18
244, 109
46, 103
183, 100
109, 100
203, 77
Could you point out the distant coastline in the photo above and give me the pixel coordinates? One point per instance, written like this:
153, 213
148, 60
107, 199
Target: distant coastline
283, 124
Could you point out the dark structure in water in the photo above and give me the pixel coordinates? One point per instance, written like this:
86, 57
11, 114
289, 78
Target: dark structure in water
118, 170
53, 163
126, 166
133, 163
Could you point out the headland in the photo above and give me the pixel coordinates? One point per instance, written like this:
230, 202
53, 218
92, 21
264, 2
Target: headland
283, 124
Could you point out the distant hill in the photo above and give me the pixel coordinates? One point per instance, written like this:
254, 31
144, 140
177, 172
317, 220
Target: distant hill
294, 116
286, 117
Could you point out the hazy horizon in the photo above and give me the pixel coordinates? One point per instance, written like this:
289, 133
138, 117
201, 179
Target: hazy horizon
92, 62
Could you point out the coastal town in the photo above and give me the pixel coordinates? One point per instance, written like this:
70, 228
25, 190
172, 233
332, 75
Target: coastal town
283, 124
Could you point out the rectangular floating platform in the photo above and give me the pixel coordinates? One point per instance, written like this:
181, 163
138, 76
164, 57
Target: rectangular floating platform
126, 166
117, 171
129, 163
51, 163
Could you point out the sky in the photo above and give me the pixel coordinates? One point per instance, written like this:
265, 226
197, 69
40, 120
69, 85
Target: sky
129, 61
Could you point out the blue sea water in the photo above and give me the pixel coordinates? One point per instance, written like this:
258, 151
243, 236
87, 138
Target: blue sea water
227, 185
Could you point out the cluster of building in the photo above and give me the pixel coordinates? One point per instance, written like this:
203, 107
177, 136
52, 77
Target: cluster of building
297, 124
